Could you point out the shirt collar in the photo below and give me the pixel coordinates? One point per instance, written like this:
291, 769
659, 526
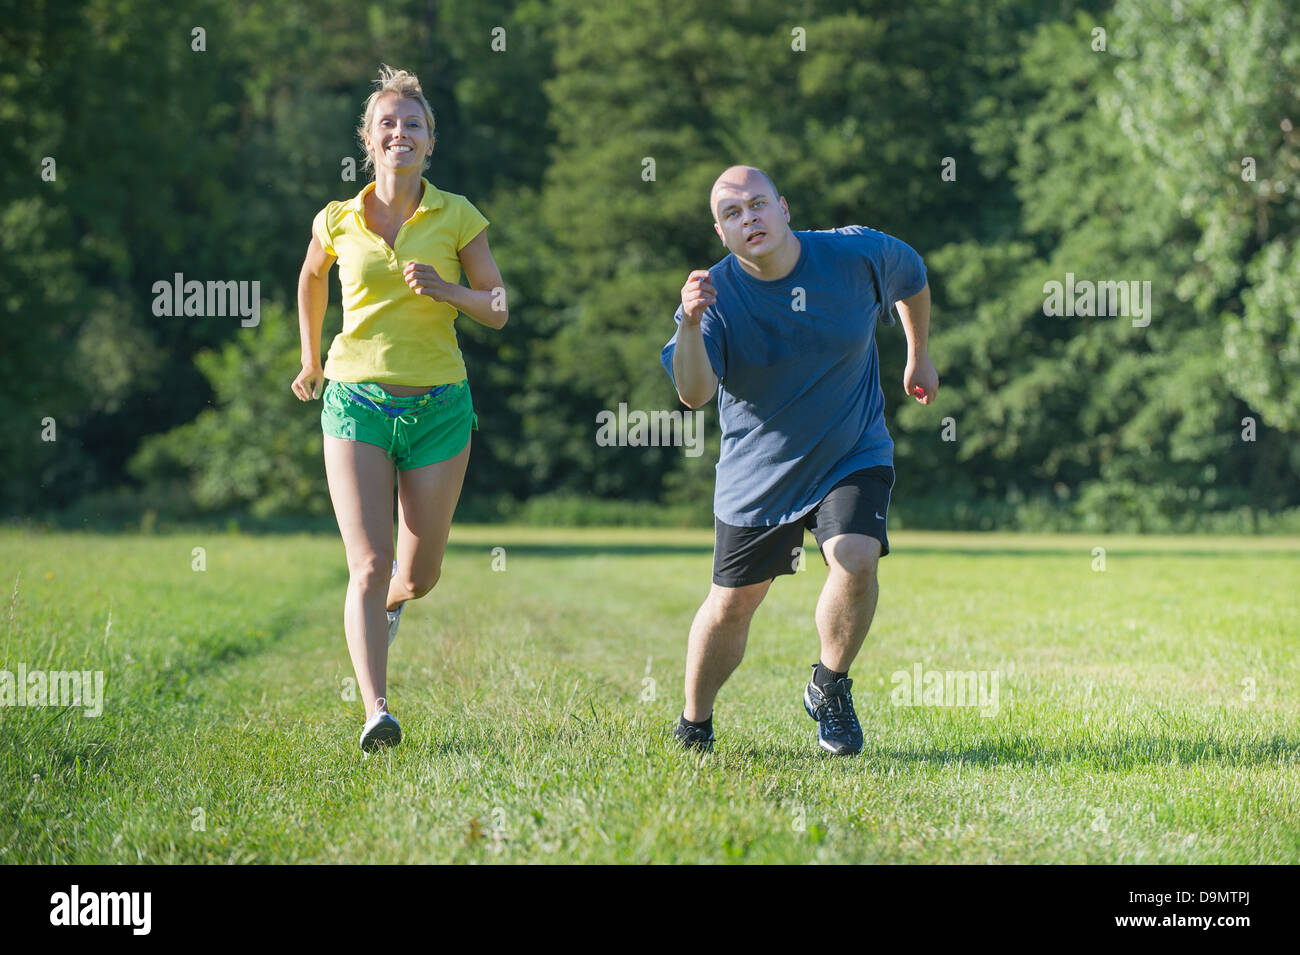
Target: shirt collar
432, 200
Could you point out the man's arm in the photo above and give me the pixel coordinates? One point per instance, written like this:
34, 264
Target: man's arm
920, 378
692, 372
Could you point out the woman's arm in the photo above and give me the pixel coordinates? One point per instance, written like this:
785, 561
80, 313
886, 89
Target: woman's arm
313, 296
484, 301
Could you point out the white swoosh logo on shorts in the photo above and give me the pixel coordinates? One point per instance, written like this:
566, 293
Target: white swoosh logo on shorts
880, 516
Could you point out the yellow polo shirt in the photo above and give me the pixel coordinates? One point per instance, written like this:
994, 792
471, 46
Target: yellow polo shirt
390, 334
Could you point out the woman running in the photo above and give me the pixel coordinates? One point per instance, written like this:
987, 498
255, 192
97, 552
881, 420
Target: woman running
397, 395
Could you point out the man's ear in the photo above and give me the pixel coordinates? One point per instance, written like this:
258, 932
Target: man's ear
785, 208
718, 229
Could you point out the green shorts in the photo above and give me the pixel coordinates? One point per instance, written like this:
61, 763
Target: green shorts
415, 431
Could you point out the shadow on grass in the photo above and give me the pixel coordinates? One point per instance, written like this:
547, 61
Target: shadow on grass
41, 744
1124, 752
88, 756
456, 746
563, 548
327, 526
1084, 552
566, 549
765, 756
202, 656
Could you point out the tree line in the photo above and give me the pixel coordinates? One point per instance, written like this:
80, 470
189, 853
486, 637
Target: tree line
1014, 144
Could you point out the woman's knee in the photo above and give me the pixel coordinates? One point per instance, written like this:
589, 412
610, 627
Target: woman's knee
421, 584
371, 571
418, 581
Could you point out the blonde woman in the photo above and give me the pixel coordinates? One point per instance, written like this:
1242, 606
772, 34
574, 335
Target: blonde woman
398, 397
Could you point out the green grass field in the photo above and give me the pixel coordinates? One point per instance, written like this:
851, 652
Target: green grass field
1148, 713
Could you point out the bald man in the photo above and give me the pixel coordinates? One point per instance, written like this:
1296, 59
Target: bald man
783, 331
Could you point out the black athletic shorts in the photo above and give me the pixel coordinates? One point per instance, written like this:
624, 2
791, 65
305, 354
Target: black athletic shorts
859, 504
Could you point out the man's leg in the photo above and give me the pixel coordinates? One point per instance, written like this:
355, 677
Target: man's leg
717, 644
844, 612
848, 599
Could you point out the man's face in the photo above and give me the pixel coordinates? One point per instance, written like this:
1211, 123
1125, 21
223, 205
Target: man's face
750, 218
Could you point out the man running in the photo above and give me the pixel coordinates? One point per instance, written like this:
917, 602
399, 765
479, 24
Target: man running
783, 329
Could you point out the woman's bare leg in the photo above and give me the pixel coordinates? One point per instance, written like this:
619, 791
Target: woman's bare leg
426, 501
360, 479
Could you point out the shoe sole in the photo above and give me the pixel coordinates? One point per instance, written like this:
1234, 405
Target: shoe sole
696, 747
386, 734
702, 746
807, 705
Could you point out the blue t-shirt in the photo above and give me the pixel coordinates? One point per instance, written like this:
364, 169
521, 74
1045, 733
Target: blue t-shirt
799, 396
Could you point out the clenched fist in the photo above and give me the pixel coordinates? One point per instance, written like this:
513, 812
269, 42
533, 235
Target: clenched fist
920, 380
307, 385
425, 280
697, 294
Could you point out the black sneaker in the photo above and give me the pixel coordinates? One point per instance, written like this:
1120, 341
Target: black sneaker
831, 706
692, 737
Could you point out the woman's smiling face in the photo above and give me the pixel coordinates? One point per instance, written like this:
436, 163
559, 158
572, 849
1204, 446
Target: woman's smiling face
399, 135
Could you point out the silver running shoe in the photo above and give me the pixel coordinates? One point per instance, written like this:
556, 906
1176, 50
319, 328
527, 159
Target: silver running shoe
394, 616
381, 729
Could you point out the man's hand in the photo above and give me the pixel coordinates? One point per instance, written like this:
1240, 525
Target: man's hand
692, 373
697, 294
425, 280
920, 378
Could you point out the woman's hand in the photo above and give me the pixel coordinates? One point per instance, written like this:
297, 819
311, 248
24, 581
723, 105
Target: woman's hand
425, 280
307, 385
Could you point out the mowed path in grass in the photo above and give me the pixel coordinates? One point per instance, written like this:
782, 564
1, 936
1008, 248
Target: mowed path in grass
1147, 713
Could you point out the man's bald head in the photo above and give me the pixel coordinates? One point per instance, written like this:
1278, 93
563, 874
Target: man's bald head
738, 182
753, 221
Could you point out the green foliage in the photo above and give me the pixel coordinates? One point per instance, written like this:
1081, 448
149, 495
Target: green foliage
559, 511
258, 446
1138, 427
636, 83
1169, 157
1262, 345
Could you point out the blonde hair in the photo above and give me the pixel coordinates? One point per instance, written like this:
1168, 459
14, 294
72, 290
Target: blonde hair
407, 86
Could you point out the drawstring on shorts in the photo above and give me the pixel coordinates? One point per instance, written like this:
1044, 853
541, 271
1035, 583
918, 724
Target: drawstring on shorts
400, 432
